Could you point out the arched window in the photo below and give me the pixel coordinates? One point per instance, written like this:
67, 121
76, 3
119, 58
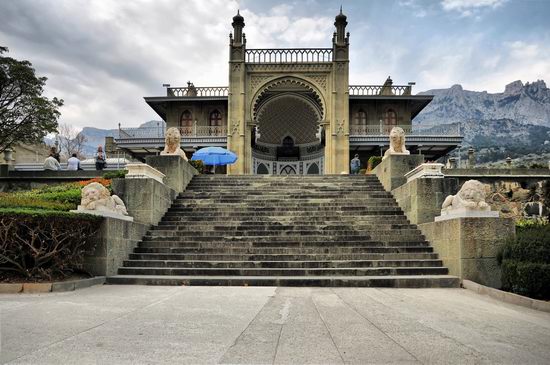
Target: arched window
390, 118
215, 119
186, 119
288, 141
360, 118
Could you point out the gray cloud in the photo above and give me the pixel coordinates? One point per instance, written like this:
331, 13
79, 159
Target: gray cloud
103, 56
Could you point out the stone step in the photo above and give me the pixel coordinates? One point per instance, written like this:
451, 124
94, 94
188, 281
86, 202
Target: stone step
263, 241
346, 231
408, 281
370, 219
282, 257
239, 250
260, 225
362, 271
282, 264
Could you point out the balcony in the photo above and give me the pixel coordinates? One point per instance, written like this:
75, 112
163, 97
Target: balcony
143, 141
433, 141
410, 130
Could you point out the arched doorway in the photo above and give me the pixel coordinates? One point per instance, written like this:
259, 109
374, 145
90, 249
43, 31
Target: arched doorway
287, 114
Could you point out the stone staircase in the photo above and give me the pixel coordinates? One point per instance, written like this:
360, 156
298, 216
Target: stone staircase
334, 230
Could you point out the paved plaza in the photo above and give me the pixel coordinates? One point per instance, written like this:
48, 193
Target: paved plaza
260, 325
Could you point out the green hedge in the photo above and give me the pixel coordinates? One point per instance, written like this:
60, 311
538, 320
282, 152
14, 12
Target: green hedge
374, 161
42, 244
117, 174
525, 262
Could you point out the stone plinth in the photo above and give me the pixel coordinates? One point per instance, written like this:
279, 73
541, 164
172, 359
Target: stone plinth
469, 246
143, 171
466, 213
426, 171
104, 213
147, 200
421, 199
178, 171
114, 242
391, 171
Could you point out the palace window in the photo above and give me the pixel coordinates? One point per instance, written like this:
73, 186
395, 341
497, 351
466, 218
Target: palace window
360, 118
390, 118
215, 119
186, 119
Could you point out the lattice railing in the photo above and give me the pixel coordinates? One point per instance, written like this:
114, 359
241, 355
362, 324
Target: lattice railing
208, 91
372, 90
410, 130
194, 131
288, 55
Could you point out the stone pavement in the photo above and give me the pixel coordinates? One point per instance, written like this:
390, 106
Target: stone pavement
147, 324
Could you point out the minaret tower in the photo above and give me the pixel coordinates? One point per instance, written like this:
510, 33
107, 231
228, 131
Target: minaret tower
337, 153
236, 124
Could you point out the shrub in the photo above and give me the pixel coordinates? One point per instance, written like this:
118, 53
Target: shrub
525, 261
13, 200
373, 162
42, 244
117, 174
199, 165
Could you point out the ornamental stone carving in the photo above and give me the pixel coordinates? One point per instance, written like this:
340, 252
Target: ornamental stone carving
397, 143
96, 197
172, 144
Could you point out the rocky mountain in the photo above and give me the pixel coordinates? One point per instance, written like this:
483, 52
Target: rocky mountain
524, 104
513, 123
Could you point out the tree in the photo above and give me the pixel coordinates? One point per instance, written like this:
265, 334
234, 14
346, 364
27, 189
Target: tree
25, 115
70, 140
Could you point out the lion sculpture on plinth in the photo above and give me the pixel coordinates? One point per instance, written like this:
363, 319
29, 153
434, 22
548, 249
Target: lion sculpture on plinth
173, 143
97, 197
471, 196
397, 143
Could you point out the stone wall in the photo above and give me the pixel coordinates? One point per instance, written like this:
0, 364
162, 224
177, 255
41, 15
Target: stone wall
178, 171
115, 241
421, 199
147, 200
391, 171
469, 246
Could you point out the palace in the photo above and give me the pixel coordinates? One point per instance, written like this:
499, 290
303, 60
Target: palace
291, 111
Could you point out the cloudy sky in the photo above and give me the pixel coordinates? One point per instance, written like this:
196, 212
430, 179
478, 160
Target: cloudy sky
103, 56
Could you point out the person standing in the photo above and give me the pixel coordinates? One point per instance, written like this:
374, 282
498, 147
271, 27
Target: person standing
51, 163
355, 165
100, 160
73, 163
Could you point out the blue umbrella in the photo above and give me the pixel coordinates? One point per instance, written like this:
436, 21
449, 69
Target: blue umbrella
214, 156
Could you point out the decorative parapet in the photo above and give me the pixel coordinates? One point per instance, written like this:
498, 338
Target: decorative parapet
385, 90
425, 171
143, 171
288, 55
192, 91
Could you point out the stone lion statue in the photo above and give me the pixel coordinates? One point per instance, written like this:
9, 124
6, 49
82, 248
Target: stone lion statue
97, 197
397, 143
471, 196
172, 144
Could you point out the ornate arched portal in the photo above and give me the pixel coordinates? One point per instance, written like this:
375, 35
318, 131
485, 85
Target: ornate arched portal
287, 113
